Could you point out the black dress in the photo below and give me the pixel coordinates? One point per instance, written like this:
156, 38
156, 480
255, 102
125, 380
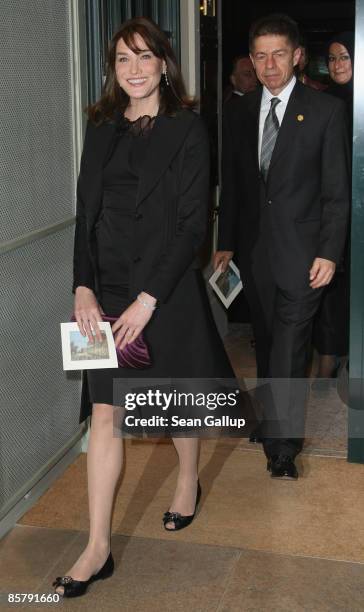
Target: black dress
331, 323
188, 364
114, 234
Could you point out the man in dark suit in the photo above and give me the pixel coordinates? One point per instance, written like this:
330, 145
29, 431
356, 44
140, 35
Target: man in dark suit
284, 210
242, 79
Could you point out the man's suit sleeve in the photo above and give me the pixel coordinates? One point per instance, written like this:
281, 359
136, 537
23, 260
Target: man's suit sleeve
83, 272
191, 215
228, 219
335, 185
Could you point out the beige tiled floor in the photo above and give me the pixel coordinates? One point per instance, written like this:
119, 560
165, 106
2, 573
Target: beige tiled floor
241, 506
255, 545
167, 576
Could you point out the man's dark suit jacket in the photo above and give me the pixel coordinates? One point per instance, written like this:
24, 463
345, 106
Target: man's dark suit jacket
305, 201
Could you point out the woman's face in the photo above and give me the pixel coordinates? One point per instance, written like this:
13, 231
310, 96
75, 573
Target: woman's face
340, 68
138, 74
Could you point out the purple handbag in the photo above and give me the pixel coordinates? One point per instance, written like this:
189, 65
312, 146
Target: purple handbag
134, 355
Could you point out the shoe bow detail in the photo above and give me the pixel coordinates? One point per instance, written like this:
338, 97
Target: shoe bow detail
62, 580
172, 516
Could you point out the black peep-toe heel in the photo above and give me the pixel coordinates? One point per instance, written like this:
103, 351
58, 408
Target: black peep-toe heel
180, 521
75, 588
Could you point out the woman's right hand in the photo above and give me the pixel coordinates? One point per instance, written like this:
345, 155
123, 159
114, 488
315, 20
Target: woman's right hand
88, 313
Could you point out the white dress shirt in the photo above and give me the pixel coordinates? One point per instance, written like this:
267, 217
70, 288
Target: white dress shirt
280, 108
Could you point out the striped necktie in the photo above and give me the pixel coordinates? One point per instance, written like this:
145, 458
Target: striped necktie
270, 133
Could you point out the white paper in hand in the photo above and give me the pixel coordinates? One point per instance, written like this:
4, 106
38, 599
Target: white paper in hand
227, 285
80, 354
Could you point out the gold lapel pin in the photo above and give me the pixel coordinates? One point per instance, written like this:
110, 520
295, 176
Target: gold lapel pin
300, 117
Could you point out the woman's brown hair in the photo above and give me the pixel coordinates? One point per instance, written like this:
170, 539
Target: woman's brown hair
173, 96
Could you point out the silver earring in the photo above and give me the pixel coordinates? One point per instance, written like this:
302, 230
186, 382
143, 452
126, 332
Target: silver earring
165, 76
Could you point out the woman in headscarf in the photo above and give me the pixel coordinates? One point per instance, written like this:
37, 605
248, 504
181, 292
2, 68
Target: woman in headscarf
331, 328
340, 61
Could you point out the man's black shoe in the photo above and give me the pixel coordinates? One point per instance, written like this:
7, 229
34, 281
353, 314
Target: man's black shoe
255, 436
283, 467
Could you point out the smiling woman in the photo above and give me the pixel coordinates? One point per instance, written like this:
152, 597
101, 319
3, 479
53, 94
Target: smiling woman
140, 62
142, 205
331, 328
339, 59
139, 73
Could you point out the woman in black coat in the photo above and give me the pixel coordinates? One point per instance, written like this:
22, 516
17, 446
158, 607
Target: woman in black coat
331, 325
142, 203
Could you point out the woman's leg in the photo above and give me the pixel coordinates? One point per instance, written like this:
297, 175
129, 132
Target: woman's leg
104, 463
327, 366
184, 499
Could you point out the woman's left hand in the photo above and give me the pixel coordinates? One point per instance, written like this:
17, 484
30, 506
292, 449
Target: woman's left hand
132, 321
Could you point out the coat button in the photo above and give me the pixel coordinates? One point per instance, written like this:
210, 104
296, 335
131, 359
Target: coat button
138, 216
269, 201
137, 259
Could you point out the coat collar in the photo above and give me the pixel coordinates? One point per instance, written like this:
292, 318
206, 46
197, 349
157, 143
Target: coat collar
166, 138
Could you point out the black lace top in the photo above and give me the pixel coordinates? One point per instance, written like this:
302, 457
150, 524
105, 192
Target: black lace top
129, 152
139, 127
114, 229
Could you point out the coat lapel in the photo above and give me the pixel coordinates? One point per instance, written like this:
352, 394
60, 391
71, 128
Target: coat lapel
292, 125
163, 145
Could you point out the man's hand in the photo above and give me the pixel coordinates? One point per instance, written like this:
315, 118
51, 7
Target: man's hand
321, 272
87, 313
222, 258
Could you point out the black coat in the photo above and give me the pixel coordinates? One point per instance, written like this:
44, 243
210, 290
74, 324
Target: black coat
171, 207
169, 228
307, 189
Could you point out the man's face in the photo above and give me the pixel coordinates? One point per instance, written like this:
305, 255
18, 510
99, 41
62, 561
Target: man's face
303, 61
274, 59
244, 78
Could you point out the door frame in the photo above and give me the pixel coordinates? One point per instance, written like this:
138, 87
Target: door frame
356, 369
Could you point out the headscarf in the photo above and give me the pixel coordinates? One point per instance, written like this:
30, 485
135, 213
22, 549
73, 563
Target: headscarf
347, 39
344, 91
